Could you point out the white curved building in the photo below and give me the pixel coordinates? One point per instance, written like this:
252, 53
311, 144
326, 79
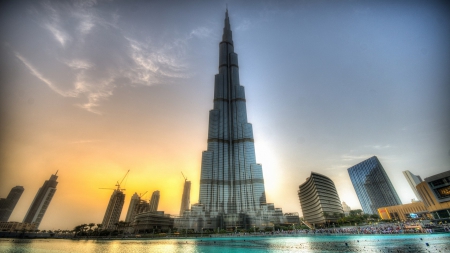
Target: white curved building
319, 200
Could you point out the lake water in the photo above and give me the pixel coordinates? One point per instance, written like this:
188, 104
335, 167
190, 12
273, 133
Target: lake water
301, 243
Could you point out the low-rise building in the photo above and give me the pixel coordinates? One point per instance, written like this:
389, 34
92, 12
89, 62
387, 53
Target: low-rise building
14, 226
435, 192
405, 212
148, 222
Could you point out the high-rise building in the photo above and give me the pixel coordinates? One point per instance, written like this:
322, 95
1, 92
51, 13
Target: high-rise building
41, 201
319, 200
372, 186
231, 181
7, 205
137, 206
232, 193
132, 207
154, 201
114, 209
186, 198
413, 181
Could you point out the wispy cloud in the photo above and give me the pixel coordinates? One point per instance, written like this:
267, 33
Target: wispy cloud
88, 65
378, 146
349, 157
36, 73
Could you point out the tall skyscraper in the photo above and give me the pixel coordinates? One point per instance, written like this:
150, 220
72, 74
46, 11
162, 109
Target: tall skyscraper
154, 201
7, 205
231, 181
232, 193
186, 198
41, 201
413, 181
372, 186
319, 200
114, 209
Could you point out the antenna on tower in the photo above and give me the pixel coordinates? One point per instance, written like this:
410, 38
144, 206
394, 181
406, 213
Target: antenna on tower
185, 178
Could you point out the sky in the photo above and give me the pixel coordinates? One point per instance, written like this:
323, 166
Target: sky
93, 89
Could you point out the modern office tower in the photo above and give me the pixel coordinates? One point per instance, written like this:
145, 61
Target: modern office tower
435, 192
319, 200
186, 198
231, 181
7, 205
113, 210
413, 181
41, 201
132, 207
154, 201
346, 208
372, 186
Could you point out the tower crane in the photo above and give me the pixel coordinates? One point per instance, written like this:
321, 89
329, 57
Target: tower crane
142, 194
118, 184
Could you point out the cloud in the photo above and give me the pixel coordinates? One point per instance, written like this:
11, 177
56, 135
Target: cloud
94, 54
349, 157
40, 76
202, 32
378, 146
244, 26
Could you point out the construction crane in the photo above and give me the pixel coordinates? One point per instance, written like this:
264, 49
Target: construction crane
142, 194
118, 184
185, 178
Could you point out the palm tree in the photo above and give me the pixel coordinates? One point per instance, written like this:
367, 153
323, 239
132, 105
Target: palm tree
91, 225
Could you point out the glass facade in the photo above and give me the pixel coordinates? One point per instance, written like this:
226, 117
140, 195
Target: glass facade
231, 181
372, 186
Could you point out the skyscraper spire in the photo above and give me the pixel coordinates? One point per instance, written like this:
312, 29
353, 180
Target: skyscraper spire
227, 35
231, 181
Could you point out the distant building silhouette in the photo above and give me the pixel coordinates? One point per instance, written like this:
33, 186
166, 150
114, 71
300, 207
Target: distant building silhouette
372, 186
7, 205
137, 206
319, 200
41, 201
413, 181
346, 208
113, 210
132, 207
154, 201
186, 198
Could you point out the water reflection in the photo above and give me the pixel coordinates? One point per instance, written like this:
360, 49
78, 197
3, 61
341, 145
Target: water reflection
354, 243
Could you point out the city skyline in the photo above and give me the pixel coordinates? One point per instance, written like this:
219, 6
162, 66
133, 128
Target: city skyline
96, 89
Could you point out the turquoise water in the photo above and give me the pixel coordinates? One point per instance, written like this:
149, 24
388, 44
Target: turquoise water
301, 243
